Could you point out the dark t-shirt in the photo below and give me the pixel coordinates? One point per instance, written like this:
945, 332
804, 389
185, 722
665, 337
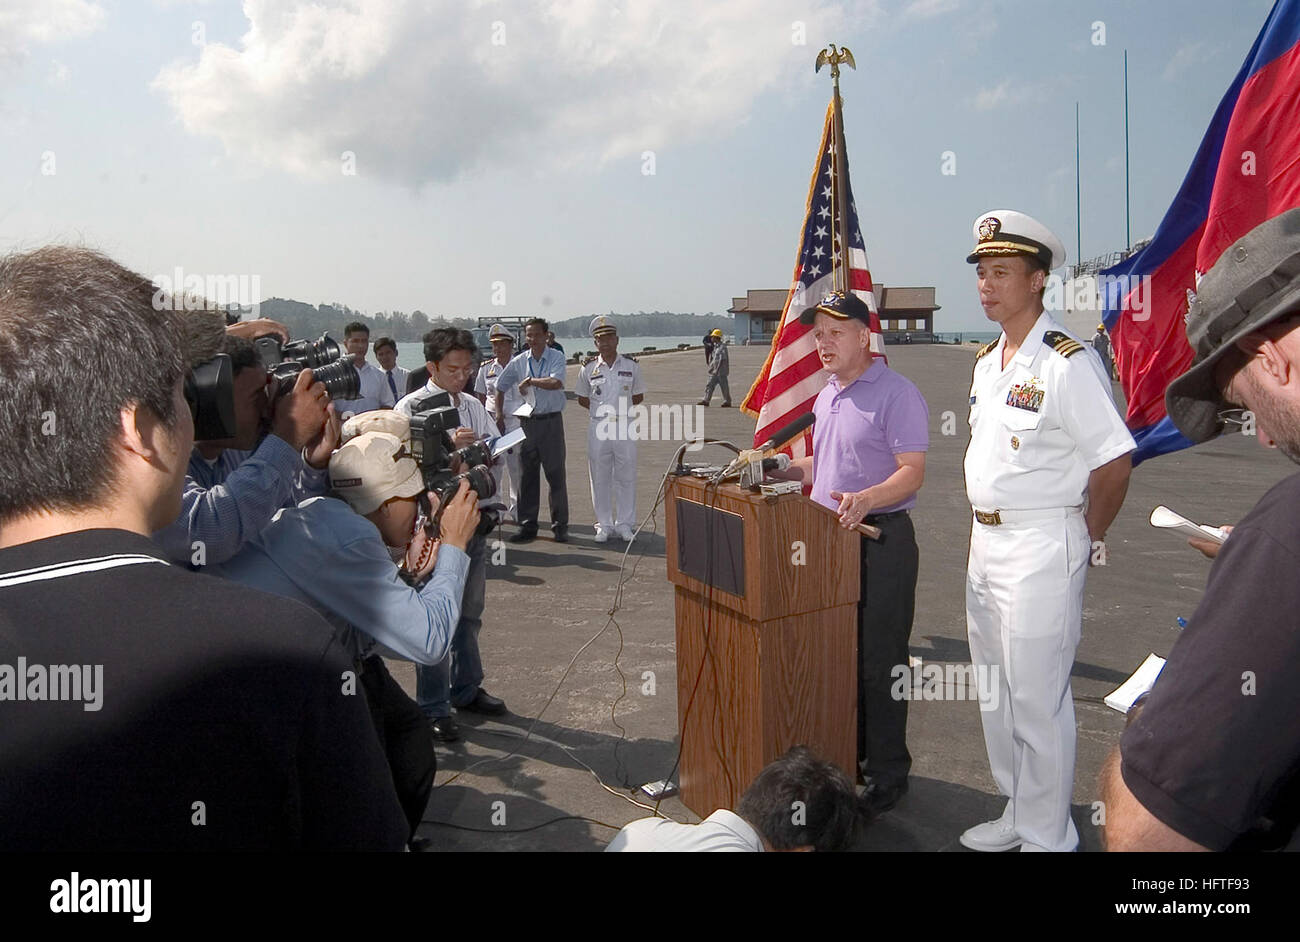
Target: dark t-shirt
1215, 754
214, 703
417, 379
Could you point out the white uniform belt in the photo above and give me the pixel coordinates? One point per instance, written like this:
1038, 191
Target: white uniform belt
995, 518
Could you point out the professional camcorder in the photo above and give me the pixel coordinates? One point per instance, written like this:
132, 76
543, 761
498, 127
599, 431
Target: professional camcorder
431, 446
323, 357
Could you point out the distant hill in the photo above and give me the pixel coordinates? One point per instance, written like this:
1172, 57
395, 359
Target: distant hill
309, 321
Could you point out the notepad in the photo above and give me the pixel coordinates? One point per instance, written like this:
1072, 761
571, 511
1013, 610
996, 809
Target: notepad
1143, 679
1165, 519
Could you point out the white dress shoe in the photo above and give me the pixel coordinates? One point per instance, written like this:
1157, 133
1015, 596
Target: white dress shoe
602, 536
625, 533
991, 836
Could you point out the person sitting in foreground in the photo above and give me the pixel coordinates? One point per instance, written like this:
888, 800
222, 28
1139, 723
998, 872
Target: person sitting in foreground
798, 802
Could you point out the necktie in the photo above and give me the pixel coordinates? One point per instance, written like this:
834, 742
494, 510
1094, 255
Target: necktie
392, 385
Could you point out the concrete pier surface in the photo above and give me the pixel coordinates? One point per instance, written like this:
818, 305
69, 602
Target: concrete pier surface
551, 648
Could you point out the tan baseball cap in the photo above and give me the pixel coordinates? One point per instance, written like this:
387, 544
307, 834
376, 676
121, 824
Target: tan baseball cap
378, 420
374, 468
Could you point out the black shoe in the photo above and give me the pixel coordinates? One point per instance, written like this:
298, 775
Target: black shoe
524, 536
702, 402
445, 729
485, 703
880, 798
420, 845
561, 534
726, 405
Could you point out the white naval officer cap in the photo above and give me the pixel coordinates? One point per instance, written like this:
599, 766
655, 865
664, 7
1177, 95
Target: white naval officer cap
1007, 232
602, 325
499, 332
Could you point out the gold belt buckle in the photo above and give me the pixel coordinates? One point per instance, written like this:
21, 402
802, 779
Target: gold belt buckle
989, 519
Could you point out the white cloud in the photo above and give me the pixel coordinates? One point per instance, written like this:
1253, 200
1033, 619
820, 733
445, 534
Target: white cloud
927, 9
28, 23
420, 92
1009, 92
1187, 56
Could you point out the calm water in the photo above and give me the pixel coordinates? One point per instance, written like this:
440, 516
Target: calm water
411, 356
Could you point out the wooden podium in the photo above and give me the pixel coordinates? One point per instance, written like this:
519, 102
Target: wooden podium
766, 604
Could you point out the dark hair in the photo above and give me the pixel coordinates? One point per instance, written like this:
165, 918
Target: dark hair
829, 816
242, 353
356, 327
442, 340
384, 342
539, 322
81, 338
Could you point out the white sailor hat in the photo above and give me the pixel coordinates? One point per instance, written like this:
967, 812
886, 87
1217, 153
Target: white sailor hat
1007, 232
499, 332
602, 325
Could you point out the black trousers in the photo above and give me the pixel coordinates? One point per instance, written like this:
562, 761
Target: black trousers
886, 606
404, 734
542, 450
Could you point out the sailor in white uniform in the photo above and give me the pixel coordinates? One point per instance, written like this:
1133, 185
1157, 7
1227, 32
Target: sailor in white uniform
1046, 473
485, 388
608, 387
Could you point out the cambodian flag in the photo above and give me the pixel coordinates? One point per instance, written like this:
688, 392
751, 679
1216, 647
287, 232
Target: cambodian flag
1246, 171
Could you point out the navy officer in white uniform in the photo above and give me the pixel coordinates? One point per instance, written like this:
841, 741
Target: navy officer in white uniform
1046, 472
608, 387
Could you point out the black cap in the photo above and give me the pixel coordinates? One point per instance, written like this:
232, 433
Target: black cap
841, 305
1255, 281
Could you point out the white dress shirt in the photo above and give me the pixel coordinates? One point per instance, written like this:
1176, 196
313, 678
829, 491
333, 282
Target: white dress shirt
375, 393
721, 831
1039, 426
486, 383
610, 386
400, 373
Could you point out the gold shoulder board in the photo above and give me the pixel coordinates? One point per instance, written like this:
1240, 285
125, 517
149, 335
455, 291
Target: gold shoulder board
1061, 343
986, 349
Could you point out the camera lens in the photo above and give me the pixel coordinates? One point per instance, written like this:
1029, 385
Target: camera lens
481, 481
340, 380
313, 353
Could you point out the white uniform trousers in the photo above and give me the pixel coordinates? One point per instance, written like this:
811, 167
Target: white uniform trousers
611, 464
507, 473
1024, 612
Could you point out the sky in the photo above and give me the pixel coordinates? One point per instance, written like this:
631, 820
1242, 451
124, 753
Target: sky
575, 157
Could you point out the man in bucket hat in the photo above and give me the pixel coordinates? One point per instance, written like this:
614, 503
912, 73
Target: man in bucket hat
1211, 760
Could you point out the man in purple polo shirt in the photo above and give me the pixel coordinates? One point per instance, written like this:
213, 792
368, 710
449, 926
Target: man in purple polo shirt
867, 464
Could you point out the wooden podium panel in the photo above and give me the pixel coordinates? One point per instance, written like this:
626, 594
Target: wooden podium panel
773, 667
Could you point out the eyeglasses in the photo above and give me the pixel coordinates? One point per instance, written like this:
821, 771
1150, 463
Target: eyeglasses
1235, 416
457, 370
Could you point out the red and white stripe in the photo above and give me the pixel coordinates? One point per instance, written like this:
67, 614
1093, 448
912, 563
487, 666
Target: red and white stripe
793, 375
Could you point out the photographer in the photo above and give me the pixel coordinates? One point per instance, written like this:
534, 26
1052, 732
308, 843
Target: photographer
181, 712
234, 486
338, 554
449, 355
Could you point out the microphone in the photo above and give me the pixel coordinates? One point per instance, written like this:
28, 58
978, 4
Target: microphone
784, 436
776, 463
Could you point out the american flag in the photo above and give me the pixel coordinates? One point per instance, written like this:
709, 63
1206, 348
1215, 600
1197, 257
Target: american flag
792, 376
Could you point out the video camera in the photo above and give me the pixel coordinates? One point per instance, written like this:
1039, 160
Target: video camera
323, 357
431, 447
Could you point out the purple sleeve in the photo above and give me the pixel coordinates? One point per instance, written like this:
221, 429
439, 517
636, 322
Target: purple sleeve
907, 423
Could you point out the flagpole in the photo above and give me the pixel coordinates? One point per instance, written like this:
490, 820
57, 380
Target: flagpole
1128, 236
1078, 199
840, 212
